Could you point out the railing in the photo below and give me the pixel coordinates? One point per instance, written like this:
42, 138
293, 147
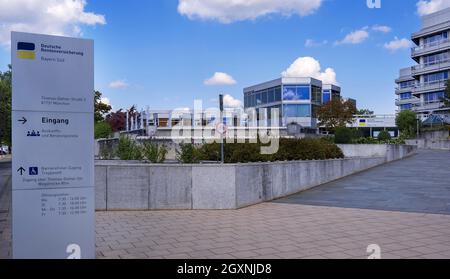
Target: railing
398, 88
429, 64
429, 45
437, 83
412, 99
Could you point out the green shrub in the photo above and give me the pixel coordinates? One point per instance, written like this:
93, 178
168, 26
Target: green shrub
106, 152
384, 136
154, 153
209, 152
343, 135
366, 141
188, 154
102, 130
128, 149
289, 150
407, 123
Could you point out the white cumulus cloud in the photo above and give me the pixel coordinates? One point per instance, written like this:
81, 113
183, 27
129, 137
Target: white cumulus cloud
228, 11
310, 67
382, 28
355, 37
220, 78
118, 84
426, 7
397, 44
230, 102
53, 17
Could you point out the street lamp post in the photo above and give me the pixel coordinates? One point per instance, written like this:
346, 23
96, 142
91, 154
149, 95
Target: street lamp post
222, 159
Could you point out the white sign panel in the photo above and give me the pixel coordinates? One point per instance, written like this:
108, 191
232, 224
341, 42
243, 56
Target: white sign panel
53, 147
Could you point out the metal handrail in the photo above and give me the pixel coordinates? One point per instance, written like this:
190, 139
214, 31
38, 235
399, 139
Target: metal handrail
429, 64
430, 45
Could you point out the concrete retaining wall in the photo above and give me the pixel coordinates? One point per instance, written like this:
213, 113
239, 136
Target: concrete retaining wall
430, 144
392, 152
135, 186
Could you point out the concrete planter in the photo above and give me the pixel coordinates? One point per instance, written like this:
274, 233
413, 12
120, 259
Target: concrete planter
135, 186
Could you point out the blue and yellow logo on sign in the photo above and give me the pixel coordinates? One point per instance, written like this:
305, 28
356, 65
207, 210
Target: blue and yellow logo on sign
26, 50
362, 123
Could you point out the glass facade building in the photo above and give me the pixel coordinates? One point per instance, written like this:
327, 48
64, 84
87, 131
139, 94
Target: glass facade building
421, 88
296, 99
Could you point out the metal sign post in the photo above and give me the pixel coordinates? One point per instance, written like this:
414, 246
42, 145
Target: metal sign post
53, 205
222, 157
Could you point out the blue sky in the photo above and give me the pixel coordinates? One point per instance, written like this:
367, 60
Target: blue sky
156, 56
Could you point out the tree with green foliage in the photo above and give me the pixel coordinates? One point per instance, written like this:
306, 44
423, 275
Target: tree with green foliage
102, 130
446, 98
365, 112
5, 106
407, 123
336, 113
384, 136
100, 108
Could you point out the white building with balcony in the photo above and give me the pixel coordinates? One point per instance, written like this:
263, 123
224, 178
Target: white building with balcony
421, 87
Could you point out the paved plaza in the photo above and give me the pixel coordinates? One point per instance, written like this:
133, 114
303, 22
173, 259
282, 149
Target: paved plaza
404, 207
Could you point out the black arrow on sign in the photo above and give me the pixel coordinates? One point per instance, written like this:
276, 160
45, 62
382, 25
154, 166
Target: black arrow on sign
23, 120
21, 170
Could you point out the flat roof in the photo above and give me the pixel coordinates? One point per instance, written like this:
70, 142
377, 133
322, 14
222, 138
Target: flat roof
283, 80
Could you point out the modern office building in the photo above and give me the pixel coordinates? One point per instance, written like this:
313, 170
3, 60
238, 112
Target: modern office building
421, 87
296, 99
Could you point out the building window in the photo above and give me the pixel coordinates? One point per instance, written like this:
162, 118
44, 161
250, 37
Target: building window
405, 96
271, 97
335, 95
436, 39
406, 107
406, 84
278, 94
296, 93
435, 77
436, 58
316, 95
433, 97
297, 110
326, 96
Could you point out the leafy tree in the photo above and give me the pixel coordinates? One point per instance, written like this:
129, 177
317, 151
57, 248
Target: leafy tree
336, 113
5, 106
117, 120
384, 136
407, 123
446, 98
365, 112
102, 130
100, 109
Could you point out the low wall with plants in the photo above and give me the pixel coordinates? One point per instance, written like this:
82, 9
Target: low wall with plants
124, 185
159, 151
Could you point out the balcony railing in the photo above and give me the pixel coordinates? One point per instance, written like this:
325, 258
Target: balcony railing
438, 85
436, 65
411, 99
424, 47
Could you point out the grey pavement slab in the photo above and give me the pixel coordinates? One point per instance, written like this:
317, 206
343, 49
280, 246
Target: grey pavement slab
420, 183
